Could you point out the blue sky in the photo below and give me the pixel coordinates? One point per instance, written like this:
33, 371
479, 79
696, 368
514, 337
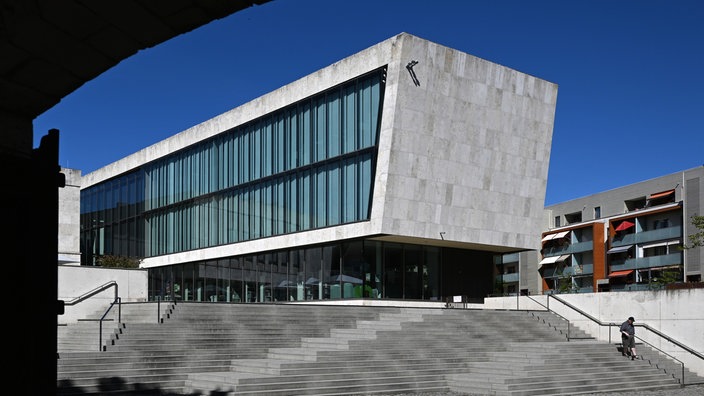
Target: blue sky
630, 73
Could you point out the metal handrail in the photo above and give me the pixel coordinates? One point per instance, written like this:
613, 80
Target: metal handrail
645, 326
92, 293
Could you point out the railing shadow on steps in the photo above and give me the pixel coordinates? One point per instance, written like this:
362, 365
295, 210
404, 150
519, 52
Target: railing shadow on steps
645, 326
159, 319
92, 293
555, 313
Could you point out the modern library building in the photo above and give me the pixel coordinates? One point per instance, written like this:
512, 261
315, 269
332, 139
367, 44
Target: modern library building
405, 171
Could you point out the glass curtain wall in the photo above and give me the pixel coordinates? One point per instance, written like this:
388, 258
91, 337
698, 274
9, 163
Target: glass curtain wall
293, 170
306, 166
111, 218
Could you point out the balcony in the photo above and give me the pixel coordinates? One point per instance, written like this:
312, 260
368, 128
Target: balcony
510, 258
660, 234
508, 278
556, 272
576, 270
578, 247
555, 250
552, 272
587, 269
641, 263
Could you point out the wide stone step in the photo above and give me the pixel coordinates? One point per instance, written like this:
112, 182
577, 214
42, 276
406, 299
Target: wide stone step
301, 368
341, 386
136, 372
550, 388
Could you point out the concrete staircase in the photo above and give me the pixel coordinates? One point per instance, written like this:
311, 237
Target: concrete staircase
289, 349
84, 335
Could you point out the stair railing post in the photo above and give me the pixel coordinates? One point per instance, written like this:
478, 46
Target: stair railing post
100, 336
610, 333
158, 308
548, 304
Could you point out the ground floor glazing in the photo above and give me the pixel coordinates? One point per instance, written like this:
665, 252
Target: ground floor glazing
344, 270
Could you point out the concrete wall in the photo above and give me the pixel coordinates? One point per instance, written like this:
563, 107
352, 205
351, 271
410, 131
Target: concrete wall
75, 281
465, 148
676, 313
69, 218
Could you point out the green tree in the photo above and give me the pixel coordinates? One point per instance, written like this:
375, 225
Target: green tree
696, 239
666, 278
565, 284
109, 261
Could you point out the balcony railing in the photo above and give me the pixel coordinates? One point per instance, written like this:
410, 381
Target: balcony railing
569, 249
649, 262
586, 269
551, 272
555, 250
648, 236
580, 247
508, 278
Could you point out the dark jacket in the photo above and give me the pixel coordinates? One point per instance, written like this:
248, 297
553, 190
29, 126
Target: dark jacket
628, 328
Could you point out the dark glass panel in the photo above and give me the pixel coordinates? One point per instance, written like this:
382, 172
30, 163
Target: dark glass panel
313, 271
263, 278
373, 258
250, 280
177, 271
157, 284
279, 278
412, 275
297, 273
188, 286
393, 270
352, 279
223, 280
431, 274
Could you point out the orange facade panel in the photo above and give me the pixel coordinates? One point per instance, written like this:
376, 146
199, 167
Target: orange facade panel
599, 254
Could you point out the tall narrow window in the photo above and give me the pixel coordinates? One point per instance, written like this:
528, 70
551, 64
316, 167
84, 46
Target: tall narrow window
597, 212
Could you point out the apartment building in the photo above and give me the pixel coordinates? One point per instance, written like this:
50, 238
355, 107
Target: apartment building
628, 238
